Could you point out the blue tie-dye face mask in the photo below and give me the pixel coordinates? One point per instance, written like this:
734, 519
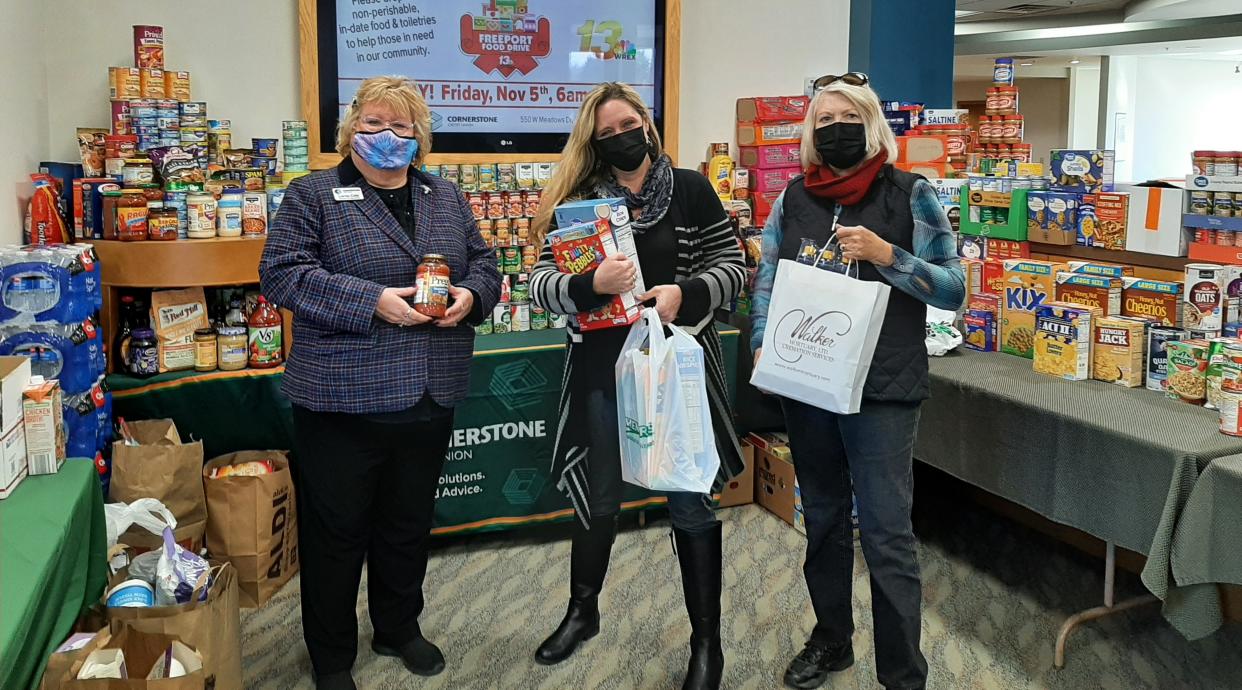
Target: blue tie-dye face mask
385, 149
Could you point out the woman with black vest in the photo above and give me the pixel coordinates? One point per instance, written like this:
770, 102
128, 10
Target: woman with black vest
892, 223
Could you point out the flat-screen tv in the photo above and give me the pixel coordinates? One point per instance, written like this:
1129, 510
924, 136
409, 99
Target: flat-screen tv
500, 76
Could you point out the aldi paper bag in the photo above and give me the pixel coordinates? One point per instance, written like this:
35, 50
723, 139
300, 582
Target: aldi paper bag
252, 523
213, 627
163, 468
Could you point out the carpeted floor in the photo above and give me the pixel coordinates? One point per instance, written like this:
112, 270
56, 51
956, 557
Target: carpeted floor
995, 594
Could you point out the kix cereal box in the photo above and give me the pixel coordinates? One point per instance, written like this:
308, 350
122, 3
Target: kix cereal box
1119, 352
1063, 333
1092, 290
1027, 286
1158, 300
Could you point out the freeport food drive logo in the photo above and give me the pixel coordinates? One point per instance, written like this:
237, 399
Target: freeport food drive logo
506, 37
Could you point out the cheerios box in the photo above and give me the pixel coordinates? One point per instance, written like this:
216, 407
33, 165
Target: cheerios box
1026, 285
1063, 337
1093, 290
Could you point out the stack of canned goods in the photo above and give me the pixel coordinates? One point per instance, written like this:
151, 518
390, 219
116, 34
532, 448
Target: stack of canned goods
219, 139
297, 146
193, 121
1005, 185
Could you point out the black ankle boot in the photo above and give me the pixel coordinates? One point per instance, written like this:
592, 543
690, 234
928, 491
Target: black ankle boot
588, 562
699, 555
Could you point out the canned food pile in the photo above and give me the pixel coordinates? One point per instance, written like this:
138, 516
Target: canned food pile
504, 198
1215, 201
165, 171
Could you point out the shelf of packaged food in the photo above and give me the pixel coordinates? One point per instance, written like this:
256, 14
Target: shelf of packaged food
1196, 220
1146, 265
215, 262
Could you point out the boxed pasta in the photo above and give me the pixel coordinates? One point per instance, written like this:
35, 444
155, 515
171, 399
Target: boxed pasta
1082, 171
979, 332
1157, 300
1187, 370
1027, 285
1118, 353
1112, 213
1063, 334
1092, 290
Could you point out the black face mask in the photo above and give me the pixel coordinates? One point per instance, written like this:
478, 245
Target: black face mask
624, 151
841, 144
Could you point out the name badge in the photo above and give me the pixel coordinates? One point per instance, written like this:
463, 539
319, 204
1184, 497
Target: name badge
347, 193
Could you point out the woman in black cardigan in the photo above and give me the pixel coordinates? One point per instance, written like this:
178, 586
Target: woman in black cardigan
692, 265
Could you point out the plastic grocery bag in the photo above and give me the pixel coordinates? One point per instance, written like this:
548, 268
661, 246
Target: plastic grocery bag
821, 335
663, 417
147, 513
942, 336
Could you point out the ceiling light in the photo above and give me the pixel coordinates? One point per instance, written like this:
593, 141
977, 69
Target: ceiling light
1026, 64
1075, 61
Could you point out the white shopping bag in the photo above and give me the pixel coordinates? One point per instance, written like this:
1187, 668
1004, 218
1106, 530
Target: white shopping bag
663, 417
821, 334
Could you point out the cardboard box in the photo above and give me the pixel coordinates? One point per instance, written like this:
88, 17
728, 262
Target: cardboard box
1112, 217
580, 248
1154, 224
769, 109
617, 214
740, 490
1006, 249
1084, 171
773, 179
43, 415
1028, 285
13, 466
1101, 292
1100, 268
923, 148
1118, 353
1063, 336
773, 156
766, 134
1157, 300
994, 277
776, 484
928, 170
972, 269
763, 205
14, 377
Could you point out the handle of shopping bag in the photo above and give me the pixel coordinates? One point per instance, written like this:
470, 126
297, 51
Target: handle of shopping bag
655, 329
850, 264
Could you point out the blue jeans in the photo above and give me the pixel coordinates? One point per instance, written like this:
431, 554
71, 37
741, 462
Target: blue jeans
689, 512
873, 452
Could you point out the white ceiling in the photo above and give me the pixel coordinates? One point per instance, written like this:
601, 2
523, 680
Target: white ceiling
994, 10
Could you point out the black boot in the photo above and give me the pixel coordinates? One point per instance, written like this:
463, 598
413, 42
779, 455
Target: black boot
699, 555
588, 562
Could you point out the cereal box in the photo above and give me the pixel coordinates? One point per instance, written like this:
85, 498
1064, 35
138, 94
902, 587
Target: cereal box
1187, 370
1063, 340
1093, 291
1082, 171
1027, 285
1157, 300
1097, 268
581, 248
993, 277
1118, 351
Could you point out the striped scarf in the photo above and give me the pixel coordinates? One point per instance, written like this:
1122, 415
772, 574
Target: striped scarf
649, 205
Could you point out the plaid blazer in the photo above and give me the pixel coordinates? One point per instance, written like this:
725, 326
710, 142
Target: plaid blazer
328, 261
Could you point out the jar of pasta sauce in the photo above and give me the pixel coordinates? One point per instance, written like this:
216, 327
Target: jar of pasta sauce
131, 216
432, 283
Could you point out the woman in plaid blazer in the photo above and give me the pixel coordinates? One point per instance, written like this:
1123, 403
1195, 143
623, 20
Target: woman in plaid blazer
373, 382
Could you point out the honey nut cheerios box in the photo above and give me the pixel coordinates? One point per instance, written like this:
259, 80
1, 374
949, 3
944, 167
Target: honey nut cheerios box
1158, 300
1093, 290
1026, 285
1063, 334
1119, 350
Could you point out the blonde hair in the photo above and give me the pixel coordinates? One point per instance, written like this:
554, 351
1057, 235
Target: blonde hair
398, 93
879, 136
578, 170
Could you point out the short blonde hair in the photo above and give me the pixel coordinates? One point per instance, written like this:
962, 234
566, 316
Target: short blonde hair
398, 93
879, 136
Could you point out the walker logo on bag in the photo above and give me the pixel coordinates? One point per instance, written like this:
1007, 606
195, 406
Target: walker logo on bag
800, 334
822, 331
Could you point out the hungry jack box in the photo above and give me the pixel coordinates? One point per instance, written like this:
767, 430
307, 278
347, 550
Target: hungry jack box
591, 230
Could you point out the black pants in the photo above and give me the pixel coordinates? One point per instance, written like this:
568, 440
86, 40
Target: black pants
872, 451
366, 491
690, 512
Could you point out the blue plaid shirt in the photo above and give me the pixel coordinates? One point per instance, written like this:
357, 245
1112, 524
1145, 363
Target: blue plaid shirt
933, 274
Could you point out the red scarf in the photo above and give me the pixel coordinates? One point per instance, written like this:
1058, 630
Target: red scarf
846, 190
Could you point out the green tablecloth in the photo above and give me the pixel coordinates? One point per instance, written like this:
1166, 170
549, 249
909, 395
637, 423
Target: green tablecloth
53, 563
1107, 460
496, 474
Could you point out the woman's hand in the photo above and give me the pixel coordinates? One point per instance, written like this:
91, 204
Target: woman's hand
860, 244
758, 354
667, 301
463, 302
394, 309
616, 275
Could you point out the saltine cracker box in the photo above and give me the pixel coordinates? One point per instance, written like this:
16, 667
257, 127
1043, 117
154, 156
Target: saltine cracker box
1027, 285
14, 377
43, 414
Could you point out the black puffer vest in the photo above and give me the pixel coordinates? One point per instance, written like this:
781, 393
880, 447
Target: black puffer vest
899, 368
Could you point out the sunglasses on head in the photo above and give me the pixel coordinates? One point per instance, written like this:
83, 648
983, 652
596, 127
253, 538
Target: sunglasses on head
851, 78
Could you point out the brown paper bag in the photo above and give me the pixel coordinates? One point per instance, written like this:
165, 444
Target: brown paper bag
252, 523
213, 627
59, 663
164, 468
143, 651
